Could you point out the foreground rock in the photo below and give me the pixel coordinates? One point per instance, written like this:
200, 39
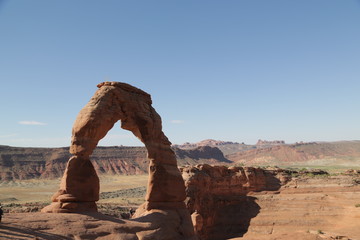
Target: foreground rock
158, 224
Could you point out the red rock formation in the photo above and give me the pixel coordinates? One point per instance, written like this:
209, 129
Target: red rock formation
114, 101
217, 201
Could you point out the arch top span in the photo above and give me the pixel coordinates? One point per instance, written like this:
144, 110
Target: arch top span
114, 101
128, 88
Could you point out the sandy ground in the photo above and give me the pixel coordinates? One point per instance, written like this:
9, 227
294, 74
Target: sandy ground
41, 190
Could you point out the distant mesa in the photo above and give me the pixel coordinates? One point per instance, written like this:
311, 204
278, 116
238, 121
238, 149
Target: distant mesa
18, 163
202, 154
207, 142
273, 143
304, 143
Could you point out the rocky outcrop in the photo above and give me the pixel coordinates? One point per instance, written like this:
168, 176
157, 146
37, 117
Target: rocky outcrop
114, 101
217, 197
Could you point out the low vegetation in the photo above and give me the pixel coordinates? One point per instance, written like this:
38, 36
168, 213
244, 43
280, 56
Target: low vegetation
117, 194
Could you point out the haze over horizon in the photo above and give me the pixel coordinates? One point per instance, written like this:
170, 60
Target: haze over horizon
226, 70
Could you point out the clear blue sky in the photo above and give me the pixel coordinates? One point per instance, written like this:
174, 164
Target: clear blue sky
227, 70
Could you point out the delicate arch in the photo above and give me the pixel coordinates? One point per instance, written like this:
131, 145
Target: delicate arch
114, 101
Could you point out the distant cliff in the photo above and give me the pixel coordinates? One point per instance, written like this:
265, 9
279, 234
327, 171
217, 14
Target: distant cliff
203, 154
270, 153
207, 142
27, 163
269, 143
342, 153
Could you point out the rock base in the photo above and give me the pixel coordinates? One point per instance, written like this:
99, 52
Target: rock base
70, 207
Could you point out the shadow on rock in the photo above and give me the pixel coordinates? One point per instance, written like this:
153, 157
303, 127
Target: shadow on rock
217, 197
233, 220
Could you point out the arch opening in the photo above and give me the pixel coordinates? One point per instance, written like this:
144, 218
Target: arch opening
117, 136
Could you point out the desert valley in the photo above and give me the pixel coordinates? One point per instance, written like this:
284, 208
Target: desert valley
270, 190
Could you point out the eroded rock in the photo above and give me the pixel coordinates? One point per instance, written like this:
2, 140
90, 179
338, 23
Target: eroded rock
217, 197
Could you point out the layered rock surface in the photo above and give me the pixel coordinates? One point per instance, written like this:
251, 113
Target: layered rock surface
308, 207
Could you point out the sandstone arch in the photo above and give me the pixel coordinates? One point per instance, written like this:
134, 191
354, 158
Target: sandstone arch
114, 101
